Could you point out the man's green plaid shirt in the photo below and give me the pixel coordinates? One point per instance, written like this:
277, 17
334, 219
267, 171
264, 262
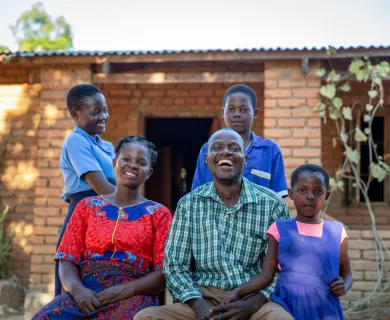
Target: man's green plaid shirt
228, 244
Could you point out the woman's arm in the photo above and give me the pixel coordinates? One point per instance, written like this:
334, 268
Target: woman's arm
341, 286
98, 182
151, 284
84, 297
260, 281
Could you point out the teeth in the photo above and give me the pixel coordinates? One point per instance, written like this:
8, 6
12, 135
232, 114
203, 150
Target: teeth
228, 162
130, 174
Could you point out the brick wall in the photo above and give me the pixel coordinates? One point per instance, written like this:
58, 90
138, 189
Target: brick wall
129, 104
19, 117
356, 216
289, 119
49, 210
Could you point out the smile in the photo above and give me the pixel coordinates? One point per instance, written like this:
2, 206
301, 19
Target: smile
130, 174
225, 163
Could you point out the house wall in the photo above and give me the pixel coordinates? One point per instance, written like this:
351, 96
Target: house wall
34, 121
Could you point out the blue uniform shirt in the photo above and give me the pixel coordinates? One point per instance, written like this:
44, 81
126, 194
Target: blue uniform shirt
80, 154
264, 167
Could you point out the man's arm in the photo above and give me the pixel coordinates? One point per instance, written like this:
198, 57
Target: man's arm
278, 181
177, 259
280, 211
201, 167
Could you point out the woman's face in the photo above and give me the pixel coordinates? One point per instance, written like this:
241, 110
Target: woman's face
133, 165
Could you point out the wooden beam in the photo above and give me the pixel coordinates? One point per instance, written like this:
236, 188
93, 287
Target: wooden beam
183, 77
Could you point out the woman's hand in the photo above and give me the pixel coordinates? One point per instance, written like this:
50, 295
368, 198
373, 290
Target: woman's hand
85, 299
230, 297
338, 287
114, 294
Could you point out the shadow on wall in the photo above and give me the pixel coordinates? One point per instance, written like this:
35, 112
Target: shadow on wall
19, 120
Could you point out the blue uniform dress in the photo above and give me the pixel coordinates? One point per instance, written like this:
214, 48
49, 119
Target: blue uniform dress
264, 167
82, 153
308, 266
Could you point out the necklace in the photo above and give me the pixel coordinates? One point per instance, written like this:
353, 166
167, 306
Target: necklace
246, 149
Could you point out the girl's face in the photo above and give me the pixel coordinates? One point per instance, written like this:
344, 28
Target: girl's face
93, 115
309, 194
238, 112
133, 165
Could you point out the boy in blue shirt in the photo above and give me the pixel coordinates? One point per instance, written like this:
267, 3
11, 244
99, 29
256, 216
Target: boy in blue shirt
265, 165
86, 160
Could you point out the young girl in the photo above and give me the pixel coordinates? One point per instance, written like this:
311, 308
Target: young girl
86, 159
312, 254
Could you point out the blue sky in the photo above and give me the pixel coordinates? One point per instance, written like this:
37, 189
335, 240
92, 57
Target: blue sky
212, 24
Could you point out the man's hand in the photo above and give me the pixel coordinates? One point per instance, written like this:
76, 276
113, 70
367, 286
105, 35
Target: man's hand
338, 287
201, 307
237, 310
230, 297
114, 294
85, 300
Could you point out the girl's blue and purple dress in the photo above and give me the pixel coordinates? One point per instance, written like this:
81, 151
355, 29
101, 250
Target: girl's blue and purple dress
308, 266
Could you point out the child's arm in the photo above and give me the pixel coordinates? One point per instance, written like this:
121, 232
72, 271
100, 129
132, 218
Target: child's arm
260, 281
341, 286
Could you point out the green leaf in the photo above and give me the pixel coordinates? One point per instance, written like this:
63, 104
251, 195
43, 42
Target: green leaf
340, 185
377, 172
337, 102
345, 87
384, 69
322, 114
353, 155
360, 74
320, 106
367, 131
344, 137
332, 184
334, 114
347, 113
366, 118
333, 76
369, 107
328, 91
320, 72
359, 135
378, 81
331, 51
355, 66
372, 93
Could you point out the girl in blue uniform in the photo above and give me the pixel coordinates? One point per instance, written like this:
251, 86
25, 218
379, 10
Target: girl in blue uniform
312, 254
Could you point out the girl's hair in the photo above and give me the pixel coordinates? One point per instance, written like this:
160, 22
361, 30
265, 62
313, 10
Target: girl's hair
141, 140
243, 89
79, 94
309, 168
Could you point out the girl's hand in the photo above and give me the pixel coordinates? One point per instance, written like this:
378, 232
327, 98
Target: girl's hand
230, 297
338, 287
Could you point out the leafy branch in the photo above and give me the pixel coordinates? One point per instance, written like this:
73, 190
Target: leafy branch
349, 134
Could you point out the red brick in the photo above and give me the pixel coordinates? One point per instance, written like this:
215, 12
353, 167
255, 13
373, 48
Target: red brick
270, 84
277, 133
279, 93
47, 211
303, 113
291, 123
306, 93
306, 153
55, 221
291, 142
177, 93
45, 249
276, 113
45, 230
314, 143
307, 133
270, 123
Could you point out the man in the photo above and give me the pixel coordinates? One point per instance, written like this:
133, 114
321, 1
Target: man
265, 165
220, 226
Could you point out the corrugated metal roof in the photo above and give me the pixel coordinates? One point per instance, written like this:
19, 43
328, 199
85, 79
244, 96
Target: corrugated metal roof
158, 52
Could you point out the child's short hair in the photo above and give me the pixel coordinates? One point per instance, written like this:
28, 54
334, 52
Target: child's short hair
309, 168
243, 89
79, 94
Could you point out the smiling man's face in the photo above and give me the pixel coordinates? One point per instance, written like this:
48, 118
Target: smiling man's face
226, 156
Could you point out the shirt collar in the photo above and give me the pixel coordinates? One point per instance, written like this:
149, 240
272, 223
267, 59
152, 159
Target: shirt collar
257, 141
247, 195
96, 139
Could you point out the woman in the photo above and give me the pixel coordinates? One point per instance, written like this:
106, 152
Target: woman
112, 251
86, 159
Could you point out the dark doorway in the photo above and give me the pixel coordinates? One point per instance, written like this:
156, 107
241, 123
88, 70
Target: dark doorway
178, 142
